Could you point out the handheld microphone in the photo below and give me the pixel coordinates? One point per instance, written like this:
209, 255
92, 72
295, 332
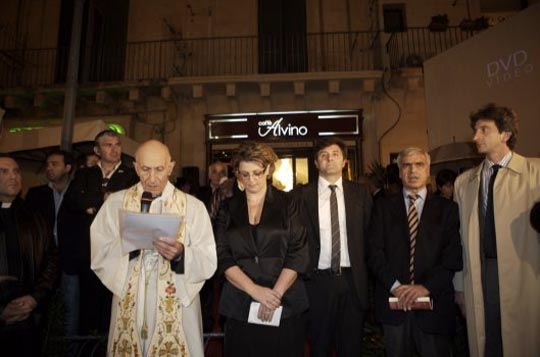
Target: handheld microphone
146, 201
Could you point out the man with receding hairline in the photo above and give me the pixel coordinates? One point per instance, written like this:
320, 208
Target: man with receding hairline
414, 252
156, 305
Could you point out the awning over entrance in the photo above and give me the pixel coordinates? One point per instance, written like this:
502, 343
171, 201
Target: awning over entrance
39, 138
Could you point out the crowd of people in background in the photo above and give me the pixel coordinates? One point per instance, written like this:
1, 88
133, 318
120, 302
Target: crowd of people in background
291, 272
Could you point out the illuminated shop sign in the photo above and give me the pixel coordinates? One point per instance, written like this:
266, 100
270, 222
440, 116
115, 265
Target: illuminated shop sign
276, 129
279, 126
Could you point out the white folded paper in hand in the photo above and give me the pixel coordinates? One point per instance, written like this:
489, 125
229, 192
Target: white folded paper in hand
138, 230
253, 319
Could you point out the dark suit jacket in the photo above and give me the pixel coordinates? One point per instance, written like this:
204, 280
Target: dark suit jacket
358, 211
36, 255
85, 192
438, 256
281, 243
205, 195
41, 199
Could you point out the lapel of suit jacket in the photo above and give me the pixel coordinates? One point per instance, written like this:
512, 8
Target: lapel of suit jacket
312, 203
350, 213
240, 216
270, 216
52, 206
399, 211
426, 218
117, 175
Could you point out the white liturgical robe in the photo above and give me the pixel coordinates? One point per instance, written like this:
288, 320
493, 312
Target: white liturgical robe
114, 268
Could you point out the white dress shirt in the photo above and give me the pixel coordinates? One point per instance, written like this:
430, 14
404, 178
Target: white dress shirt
486, 175
325, 226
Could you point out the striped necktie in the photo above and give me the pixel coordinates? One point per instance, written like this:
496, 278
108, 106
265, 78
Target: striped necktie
335, 263
216, 201
412, 217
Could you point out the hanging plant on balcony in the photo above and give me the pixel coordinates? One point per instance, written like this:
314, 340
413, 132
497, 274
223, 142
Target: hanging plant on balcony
439, 23
478, 24
466, 25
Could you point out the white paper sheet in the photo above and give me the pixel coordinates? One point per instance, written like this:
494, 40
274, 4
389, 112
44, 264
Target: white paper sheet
254, 309
138, 230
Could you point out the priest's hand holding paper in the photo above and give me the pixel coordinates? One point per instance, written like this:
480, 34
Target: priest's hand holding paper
150, 231
168, 247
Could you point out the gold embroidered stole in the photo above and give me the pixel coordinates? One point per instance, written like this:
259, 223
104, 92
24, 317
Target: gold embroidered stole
168, 338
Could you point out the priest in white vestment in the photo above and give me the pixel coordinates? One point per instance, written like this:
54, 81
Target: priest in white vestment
156, 308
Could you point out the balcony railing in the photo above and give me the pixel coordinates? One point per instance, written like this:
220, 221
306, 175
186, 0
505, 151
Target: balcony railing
412, 47
152, 60
232, 56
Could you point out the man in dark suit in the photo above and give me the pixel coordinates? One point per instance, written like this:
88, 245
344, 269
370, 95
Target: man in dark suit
414, 251
337, 278
48, 200
212, 195
89, 189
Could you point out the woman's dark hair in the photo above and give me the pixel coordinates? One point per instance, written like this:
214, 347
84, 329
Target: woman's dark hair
257, 152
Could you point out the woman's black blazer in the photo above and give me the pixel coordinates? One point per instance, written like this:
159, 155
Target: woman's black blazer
281, 243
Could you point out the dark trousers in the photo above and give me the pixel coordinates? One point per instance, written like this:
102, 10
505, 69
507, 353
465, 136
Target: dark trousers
207, 301
95, 305
335, 316
243, 339
492, 308
20, 339
403, 340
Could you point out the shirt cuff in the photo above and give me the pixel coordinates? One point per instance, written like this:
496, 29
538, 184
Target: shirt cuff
396, 284
177, 265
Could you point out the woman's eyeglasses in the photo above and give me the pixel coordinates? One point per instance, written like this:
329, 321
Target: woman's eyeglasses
255, 174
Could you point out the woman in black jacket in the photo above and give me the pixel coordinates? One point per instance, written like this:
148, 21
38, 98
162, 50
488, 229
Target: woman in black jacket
262, 250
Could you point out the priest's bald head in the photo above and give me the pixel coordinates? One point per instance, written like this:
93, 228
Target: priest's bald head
154, 165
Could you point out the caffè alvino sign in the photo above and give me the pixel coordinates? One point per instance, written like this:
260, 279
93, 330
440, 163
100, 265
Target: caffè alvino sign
276, 129
279, 126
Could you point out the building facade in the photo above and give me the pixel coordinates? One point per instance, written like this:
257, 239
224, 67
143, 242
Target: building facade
167, 69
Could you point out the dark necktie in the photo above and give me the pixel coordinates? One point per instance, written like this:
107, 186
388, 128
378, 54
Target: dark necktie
214, 209
104, 184
412, 218
490, 242
335, 263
